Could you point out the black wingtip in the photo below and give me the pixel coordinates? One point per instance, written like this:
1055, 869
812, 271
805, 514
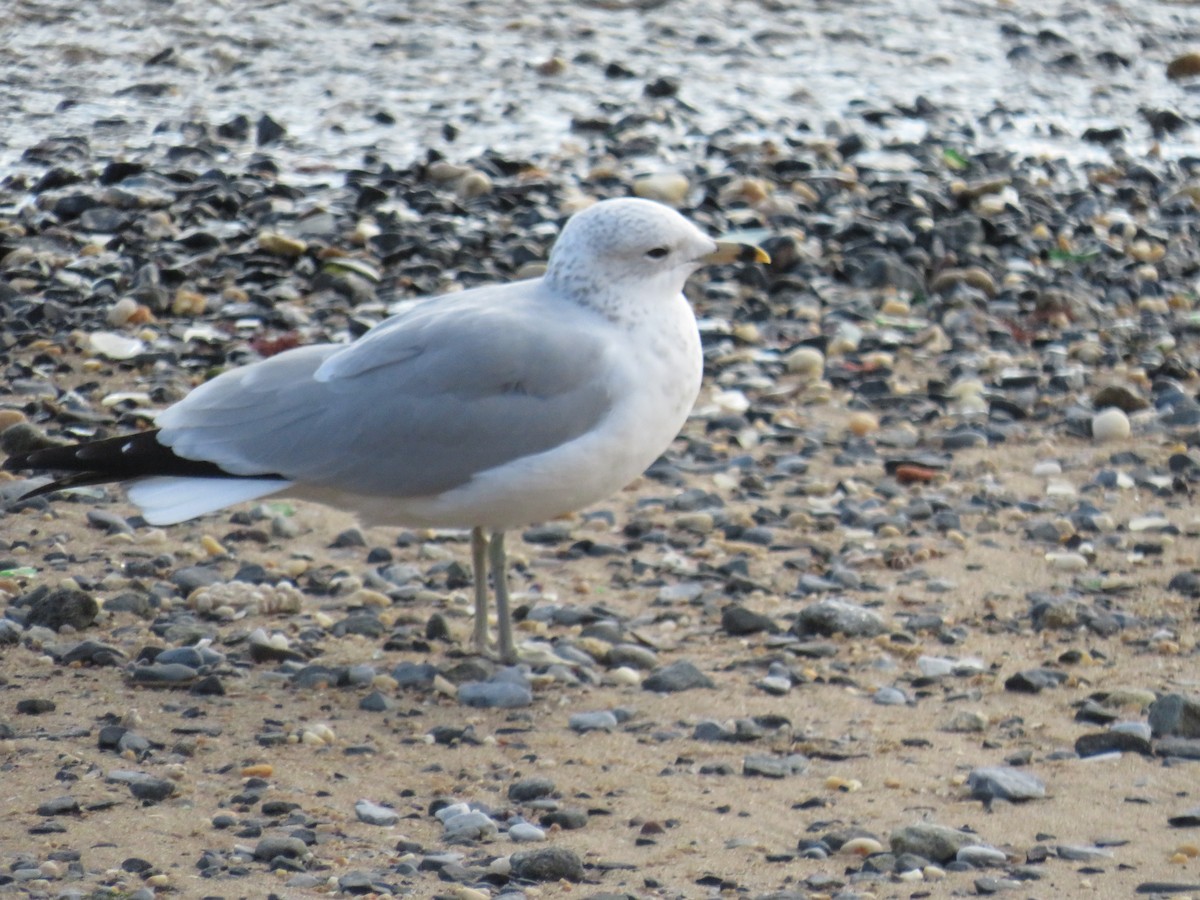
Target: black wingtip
121, 458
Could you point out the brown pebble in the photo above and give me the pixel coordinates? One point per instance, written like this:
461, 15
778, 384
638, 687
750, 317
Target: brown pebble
911, 473
1184, 66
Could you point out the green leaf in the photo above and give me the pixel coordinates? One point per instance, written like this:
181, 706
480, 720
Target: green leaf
955, 160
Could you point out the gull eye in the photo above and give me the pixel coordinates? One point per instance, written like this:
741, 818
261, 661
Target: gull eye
658, 253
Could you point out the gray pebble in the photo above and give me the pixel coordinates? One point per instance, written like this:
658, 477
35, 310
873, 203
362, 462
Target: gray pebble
1175, 715
276, 846
414, 674
376, 701
108, 522
1014, 785
568, 818
374, 814
936, 843
833, 616
584, 722
890, 696
152, 790
171, 673
530, 789
59, 806
679, 676
526, 832
632, 655
774, 766
1100, 743
494, 695
738, 621
775, 685
1139, 729
550, 864
472, 825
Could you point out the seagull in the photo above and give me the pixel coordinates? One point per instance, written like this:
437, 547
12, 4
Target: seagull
487, 409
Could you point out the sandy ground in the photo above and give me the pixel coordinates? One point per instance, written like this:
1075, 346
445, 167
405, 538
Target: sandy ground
909, 766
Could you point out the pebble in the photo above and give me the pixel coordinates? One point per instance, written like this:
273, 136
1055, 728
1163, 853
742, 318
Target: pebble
678, 676
374, 814
1002, 782
1110, 425
550, 864
524, 832
1175, 715
833, 616
584, 722
936, 843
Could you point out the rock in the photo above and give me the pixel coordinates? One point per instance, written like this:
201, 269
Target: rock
833, 616
530, 789
152, 790
992, 782
278, 847
1034, 681
774, 766
550, 864
936, 843
525, 832
494, 694
679, 676
738, 621
58, 607
1175, 715
1110, 425
592, 721
1111, 742
374, 814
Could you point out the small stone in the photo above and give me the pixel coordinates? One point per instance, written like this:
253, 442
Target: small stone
550, 864
1110, 425
1184, 66
936, 843
1014, 785
774, 766
530, 789
592, 721
526, 832
670, 188
374, 814
60, 806
1175, 715
35, 706
274, 847
494, 694
679, 676
281, 244
833, 616
1100, 743
471, 825
807, 362
152, 790
738, 621
569, 818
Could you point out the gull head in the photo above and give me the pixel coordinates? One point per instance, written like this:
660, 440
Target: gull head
624, 251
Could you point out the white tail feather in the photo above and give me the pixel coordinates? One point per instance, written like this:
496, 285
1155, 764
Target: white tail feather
167, 499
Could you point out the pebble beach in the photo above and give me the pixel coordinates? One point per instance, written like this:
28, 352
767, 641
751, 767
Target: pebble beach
907, 610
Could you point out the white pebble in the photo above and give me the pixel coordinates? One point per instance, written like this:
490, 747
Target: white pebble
1067, 562
1110, 425
1047, 467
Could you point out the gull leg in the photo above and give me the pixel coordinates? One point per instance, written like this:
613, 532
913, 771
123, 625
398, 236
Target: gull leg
479, 569
499, 561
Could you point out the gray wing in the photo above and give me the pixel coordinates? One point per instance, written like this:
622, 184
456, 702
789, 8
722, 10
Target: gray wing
415, 407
